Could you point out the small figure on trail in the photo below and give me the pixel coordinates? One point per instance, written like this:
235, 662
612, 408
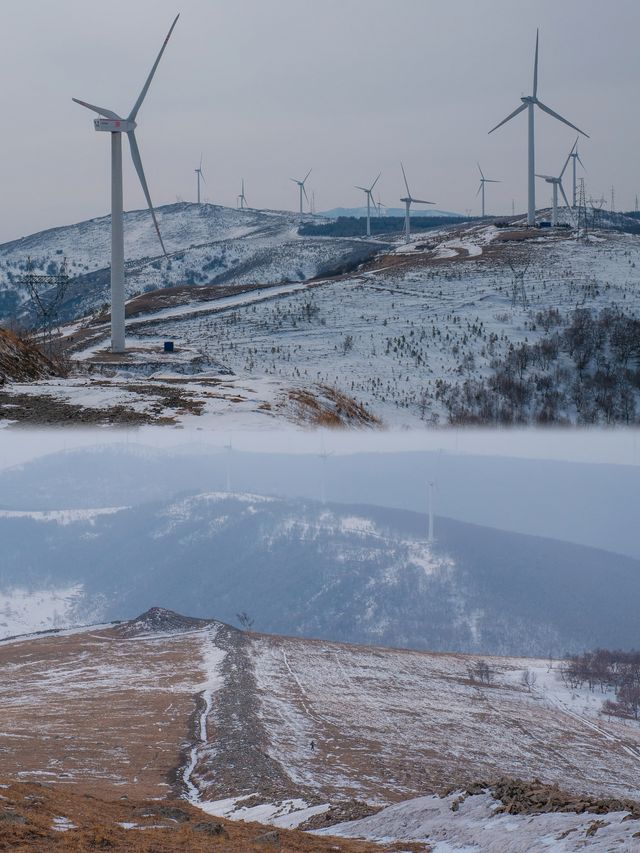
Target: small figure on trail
313, 745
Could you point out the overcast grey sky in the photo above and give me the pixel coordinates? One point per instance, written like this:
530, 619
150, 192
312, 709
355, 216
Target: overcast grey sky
267, 89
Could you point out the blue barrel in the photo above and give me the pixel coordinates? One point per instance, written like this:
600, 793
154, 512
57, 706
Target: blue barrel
168, 346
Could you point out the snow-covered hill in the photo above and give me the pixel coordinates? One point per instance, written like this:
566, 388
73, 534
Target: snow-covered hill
465, 325
349, 573
207, 244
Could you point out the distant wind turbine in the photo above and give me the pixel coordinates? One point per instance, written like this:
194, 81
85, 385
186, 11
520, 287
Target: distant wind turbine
484, 181
408, 201
200, 174
242, 199
368, 191
324, 456
576, 157
380, 205
432, 486
229, 449
302, 188
528, 103
116, 126
556, 183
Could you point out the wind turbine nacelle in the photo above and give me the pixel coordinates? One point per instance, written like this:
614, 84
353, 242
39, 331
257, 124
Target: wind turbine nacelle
114, 125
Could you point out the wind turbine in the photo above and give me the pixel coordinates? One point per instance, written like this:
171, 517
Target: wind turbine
200, 174
116, 126
242, 199
432, 487
528, 103
380, 205
324, 456
368, 192
484, 181
229, 449
407, 201
576, 157
556, 183
302, 188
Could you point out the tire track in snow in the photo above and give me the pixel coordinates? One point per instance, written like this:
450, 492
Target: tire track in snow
560, 705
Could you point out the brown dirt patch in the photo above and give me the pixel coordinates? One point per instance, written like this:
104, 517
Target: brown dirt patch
28, 813
45, 410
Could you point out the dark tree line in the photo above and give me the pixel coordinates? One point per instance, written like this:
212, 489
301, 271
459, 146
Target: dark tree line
605, 670
352, 226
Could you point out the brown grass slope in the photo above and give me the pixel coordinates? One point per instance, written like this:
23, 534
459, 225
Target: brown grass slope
28, 814
21, 360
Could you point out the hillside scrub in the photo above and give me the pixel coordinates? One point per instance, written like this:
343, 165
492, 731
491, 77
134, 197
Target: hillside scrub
605, 669
586, 369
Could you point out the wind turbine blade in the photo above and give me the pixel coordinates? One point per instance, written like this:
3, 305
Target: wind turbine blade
364, 189
307, 175
145, 88
295, 180
480, 170
509, 117
421, 201
100, 110
535, 68
566, 162
491, 181
545, 177
137, 162
304, 189
479, 188
581, 163
202, 176
566, 200
405, 181
546, 109
200, 166
374, 183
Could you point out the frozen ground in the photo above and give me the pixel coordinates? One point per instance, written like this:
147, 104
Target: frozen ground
474, 826
394, 337
133, 707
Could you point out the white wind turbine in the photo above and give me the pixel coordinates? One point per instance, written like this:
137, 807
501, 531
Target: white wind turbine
484, 181
200, 175
302, 188
242, 199
576, 157
432, 487
407, 201
556, 183
368, 192
116, 126
528, 103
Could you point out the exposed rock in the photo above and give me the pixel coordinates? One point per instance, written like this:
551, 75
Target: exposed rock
339, 813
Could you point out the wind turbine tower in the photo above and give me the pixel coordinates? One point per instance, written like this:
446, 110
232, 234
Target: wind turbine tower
368, 192
484, 181
556, 183
302, 189
408, 200
529, 102
229, 448
324, 455
431, 491
200, 175
242, 199
115, 125
576, 158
